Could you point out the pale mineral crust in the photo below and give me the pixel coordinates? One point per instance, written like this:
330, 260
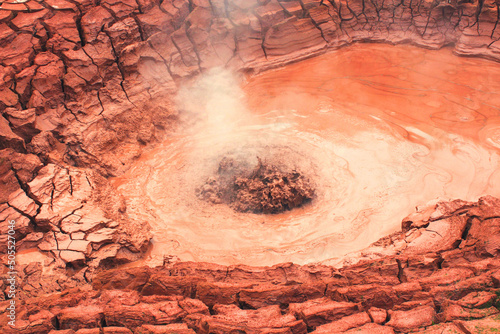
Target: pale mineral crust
86, 85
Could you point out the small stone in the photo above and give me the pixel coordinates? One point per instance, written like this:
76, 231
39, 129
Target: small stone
22, 121
9, 138
378, 315
116, 330
63, 241
88, 331
412, 319
82, 246
167, 329
72, 256
344, 324
102, 235
78, 236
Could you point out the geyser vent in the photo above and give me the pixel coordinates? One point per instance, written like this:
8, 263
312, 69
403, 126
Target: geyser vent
262, 189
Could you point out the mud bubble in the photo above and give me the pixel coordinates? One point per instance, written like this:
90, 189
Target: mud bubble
264, 188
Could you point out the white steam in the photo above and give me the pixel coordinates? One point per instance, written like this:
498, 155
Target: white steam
224, 127
215, 99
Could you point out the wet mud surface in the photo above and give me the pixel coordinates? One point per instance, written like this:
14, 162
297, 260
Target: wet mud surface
377, 128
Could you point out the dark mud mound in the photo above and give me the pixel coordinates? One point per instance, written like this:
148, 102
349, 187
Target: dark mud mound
262, 189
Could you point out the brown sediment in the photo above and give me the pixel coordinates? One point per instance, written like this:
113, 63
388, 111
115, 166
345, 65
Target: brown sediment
263, 189
87, 87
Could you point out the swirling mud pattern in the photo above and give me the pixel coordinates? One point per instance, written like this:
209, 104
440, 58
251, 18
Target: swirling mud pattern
376, 128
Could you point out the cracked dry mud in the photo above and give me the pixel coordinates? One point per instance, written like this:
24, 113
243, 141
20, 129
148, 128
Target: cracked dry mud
80, 102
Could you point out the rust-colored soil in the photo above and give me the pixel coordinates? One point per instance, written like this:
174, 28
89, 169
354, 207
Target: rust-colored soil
87, 87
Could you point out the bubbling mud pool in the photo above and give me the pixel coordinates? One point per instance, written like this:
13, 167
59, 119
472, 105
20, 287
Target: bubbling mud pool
378, 129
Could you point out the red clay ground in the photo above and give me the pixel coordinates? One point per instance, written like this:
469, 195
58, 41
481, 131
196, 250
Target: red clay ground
85, 86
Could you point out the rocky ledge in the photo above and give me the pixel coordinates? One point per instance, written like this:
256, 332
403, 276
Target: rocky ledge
86, 85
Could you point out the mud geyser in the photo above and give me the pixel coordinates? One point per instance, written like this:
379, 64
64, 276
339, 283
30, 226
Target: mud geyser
263, 189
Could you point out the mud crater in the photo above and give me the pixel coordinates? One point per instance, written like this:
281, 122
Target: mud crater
264, 188
373, 138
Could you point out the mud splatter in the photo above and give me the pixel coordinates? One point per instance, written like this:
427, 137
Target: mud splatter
262, 189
